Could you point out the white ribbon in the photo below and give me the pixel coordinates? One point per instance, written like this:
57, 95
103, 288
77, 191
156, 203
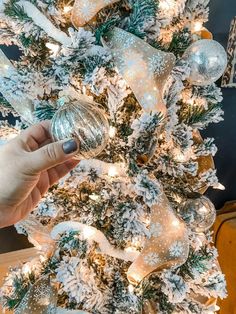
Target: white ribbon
93, 234
44, 23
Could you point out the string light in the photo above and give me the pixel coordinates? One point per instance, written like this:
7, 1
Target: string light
130, 249
175, 223
67, 9
26, 269
94, 197
166, 4
131, 288
197, 26
53, 48
112, 131
181, 157
112, 172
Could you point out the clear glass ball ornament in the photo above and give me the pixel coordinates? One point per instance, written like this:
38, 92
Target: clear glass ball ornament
207, 60
199, 214
85, 122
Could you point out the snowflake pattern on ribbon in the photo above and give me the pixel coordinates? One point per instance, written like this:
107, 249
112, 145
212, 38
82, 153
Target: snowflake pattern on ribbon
132, 54
151, 259
156, 229
84, 10
176, 249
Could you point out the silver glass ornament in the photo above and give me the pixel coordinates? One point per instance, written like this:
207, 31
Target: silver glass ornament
85, 122
207, 60
199, 213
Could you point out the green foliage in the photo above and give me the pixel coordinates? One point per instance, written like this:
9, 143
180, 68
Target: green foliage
196, 261
180, 42
15, 11
5, 103
44, 111
142, 16
51, 265
21, 284
90, 63
71, 242
152, 291
198, 116
104, 28
26, 41
6, 108
120, 296
124, 130
144, 144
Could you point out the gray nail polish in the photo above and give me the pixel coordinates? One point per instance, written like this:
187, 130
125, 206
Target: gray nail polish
70, 146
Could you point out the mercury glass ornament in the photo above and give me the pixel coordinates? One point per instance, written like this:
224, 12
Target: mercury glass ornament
207, 60
199, 213
85, 122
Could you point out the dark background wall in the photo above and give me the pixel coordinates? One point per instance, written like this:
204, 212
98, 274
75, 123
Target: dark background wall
221, 14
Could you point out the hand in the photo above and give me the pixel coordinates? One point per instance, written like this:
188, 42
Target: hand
29, 165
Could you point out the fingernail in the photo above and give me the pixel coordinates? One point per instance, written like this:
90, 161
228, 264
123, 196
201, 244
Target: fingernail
70, 146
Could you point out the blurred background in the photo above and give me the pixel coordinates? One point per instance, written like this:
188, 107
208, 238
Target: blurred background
221, 14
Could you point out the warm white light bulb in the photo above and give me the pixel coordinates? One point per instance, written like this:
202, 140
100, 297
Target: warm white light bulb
112, 131
112, 172
166, 4
53, 47
26, 269
197, 26
130, 249
131, 288
67, 9
94, 197
175, 223
180, 157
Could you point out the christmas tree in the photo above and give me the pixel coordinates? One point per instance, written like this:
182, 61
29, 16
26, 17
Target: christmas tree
128, 231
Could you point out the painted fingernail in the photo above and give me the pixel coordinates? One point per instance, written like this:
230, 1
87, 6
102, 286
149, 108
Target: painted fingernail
70, 146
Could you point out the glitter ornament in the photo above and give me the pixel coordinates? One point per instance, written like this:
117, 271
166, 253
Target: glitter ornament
199, 213
167, 245
85, 122
84, 10
144, 68
207, 60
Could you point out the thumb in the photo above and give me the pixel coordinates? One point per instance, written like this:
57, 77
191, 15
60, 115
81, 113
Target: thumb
53, 154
